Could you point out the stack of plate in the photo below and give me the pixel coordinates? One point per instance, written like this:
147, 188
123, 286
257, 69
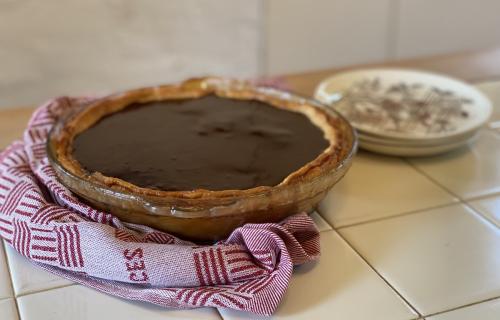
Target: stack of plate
405, 112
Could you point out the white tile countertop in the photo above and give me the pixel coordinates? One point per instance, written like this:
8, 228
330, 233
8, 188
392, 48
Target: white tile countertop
401, 239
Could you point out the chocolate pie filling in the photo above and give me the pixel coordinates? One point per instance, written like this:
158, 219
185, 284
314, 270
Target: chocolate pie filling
206, 143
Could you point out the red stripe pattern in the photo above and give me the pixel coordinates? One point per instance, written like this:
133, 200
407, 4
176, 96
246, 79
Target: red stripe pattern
46, 223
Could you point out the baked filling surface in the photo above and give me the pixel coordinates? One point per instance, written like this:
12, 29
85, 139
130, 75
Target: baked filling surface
208, 143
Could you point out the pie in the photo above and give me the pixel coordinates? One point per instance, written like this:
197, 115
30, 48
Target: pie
197, 148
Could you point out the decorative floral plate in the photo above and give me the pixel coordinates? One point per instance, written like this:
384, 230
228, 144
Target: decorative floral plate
405, 104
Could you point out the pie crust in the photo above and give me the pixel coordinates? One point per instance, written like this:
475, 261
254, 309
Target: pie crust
195, 88
204, 215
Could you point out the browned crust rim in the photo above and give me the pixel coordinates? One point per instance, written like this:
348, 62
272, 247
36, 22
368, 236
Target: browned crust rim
329, 159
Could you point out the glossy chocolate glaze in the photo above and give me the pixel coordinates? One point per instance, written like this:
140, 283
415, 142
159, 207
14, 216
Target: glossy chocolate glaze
206, 143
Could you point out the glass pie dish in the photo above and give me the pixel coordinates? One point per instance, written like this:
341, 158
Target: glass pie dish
204, 215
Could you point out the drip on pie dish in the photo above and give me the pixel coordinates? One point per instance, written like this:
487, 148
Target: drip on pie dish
199, 158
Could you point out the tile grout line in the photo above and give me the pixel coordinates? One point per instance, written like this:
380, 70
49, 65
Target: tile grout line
431, 179
47, 289
482, 197
316, 209
15, 303
17, 308
220, 314
405, 160
419, 315
480, 214
461, 200
462, 306
32, 292
402, 214
10, 278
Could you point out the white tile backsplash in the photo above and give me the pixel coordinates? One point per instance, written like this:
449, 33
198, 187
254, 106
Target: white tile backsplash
429, 27
58, 47
304, 35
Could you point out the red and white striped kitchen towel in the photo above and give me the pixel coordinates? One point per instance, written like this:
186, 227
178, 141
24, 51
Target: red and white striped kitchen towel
46, 223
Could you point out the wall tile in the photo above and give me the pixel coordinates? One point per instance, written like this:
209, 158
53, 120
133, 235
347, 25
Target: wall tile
89, 47
427, 27
304, 35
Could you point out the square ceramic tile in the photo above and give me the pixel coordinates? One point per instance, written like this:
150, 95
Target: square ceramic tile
27, 277
5, 283
8, 310
321, 224
79, 303
470, 171
489, 310
488, 207
340, 286
378, 186
438, 259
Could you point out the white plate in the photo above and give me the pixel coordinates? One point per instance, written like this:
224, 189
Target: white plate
416, 143
394, 97
408, 151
